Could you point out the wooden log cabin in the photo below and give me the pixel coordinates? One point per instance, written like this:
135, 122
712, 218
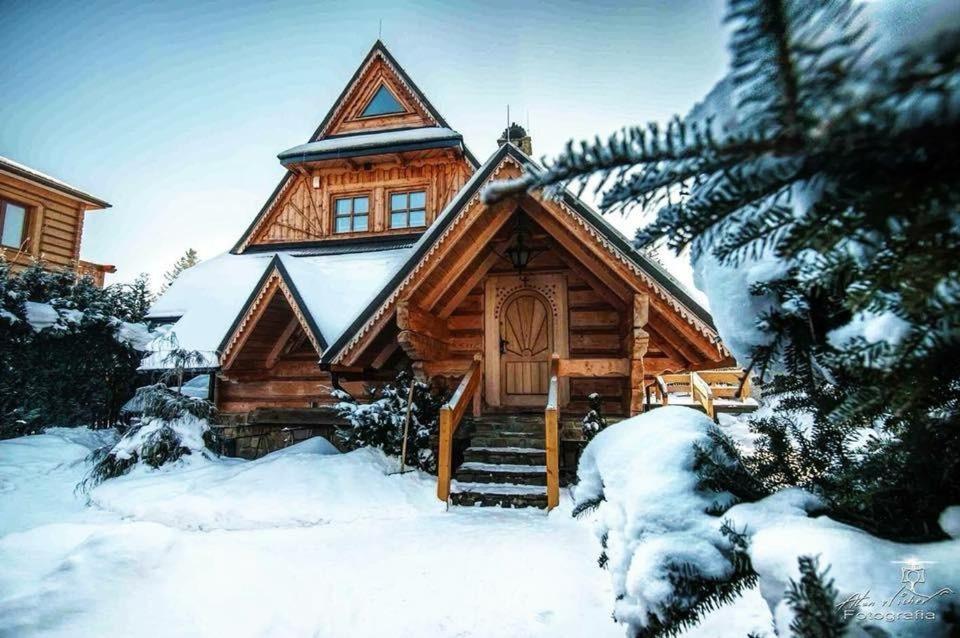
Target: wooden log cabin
41, 220
377, 251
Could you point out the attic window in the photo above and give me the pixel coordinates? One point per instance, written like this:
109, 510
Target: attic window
383, 103
408, 210
352, 214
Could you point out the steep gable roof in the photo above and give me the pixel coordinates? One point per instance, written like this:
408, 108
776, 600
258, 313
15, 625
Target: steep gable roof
378, 52
613, 240
398, 77
275, 280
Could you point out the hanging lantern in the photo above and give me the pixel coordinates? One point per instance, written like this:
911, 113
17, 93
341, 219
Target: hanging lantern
521, 252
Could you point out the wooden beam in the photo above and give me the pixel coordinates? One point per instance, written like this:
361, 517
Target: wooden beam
385, 354
282, 341
446, 367
497, 216
473, 279
421, 347
415, 319
594, 367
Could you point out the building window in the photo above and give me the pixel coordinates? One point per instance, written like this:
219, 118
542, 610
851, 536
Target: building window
352, 214
13, 221
408, 210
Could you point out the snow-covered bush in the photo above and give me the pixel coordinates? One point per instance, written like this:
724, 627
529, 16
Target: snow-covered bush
593, 421
678, 543
69, 350
172, 426
670, 556
380, 422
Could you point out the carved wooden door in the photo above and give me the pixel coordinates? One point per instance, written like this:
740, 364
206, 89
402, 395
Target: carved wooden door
526, 344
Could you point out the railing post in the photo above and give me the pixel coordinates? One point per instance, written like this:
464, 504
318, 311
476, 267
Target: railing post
552, 437
445, 459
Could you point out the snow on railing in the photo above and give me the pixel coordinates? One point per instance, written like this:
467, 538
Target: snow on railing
451, 413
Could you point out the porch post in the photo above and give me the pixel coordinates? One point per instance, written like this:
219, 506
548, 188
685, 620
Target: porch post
639, 342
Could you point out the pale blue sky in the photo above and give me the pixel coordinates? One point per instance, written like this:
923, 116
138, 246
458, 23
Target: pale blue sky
175, 112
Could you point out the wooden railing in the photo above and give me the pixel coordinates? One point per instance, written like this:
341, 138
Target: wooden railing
551, 419
727, 384
704, 387
451, 412
701, 393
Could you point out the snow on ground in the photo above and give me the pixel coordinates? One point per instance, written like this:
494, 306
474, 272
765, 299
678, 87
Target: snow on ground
299, 543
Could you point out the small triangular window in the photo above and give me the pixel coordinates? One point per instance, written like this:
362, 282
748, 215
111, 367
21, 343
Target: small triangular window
383, 103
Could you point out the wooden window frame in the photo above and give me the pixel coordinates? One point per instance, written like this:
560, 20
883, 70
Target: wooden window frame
23, 246
351, 196
388, 206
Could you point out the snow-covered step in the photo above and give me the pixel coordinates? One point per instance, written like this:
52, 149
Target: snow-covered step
506, 455
504, 467
507, 439
498, 473
503, 495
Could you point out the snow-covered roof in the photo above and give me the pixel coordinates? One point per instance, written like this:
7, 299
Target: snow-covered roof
206, 299
352, 145
51, 182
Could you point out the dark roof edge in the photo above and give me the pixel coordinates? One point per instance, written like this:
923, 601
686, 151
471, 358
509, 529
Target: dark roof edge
54, 184
275, 263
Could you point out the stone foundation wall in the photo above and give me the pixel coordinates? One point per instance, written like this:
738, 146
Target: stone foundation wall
251, 435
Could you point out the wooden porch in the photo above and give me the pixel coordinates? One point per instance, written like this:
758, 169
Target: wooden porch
710, 391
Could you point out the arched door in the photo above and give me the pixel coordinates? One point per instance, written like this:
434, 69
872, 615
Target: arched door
526, 344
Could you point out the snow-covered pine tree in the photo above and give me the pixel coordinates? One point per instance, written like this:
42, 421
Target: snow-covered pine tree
188, 259
832, 192
171, 427
380, 422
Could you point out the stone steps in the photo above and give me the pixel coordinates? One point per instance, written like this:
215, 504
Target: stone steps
504, 440
505, 465
513, 474
499, 495
509, 455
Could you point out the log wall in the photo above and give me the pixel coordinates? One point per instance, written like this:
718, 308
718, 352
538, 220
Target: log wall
54, 228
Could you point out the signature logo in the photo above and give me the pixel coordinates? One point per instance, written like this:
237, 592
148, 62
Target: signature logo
912, 601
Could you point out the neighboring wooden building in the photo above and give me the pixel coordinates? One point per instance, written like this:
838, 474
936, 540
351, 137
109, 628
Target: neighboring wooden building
377, 251
41, 219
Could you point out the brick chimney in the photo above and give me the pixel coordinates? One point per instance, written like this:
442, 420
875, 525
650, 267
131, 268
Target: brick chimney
518, 137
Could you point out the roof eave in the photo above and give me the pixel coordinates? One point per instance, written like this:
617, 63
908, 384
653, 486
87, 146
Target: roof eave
288, 158
94, 203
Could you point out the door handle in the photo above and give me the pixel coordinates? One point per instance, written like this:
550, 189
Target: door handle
503, 345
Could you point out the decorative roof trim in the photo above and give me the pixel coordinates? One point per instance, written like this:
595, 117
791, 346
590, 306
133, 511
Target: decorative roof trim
275, 276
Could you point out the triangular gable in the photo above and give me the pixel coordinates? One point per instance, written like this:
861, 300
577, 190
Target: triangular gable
599, 230
379, 68
275, 280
